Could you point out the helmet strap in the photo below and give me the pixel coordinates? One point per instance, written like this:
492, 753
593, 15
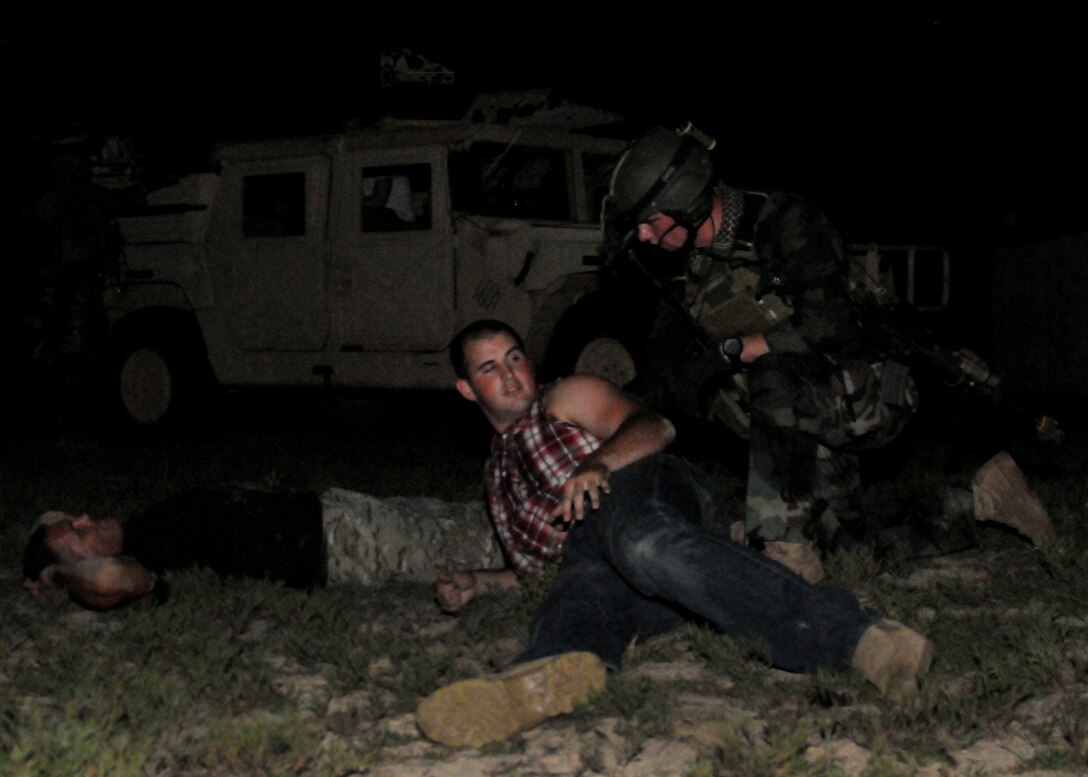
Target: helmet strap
682, 219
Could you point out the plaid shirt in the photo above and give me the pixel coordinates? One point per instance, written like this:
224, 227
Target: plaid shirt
529, 462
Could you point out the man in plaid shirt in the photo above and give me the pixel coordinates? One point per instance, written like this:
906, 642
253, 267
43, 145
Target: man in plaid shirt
577, 476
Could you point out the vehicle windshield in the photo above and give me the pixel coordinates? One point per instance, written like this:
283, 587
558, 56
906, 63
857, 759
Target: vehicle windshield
496, 179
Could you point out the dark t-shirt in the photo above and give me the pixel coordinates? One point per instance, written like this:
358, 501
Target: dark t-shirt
235, 532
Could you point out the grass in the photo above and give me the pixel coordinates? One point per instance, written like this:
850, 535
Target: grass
248, 677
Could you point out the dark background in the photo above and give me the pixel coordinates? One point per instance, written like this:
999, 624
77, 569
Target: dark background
912, 126
917, 124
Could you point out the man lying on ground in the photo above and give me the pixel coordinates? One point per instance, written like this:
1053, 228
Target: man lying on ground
300, 539
577, 477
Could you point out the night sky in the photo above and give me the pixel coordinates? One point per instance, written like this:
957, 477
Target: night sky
908, 126
913, 125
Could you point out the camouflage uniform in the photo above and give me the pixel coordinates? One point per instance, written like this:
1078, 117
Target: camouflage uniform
817, 398
370, 541
304, 539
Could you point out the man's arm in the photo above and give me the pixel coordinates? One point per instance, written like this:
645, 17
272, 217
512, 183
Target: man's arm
630, 432
453, 590
803, 251
99, 583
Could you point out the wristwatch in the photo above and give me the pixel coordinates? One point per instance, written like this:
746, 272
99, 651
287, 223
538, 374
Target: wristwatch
730, 350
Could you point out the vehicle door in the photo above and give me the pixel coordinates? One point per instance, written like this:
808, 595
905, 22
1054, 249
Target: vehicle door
393, 258
268, 238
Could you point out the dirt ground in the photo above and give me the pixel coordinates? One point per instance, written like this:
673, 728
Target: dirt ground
702, 712
701, 722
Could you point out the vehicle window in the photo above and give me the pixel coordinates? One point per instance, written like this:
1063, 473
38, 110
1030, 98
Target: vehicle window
395, 197
893, 266
274, 205
496, 179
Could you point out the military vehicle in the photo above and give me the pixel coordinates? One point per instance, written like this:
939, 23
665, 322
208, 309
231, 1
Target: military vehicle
351, 260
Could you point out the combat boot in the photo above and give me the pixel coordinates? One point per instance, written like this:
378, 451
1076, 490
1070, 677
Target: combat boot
471, 713
1002, 495
893, 657
799, 557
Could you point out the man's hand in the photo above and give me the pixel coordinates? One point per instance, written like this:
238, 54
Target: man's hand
100, 583
44, 585
629, 431
588, 481
753, 347
453, 590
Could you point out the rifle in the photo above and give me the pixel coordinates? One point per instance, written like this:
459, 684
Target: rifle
891, 328
887, 327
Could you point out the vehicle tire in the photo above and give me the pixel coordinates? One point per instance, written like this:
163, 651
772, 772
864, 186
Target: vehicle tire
608, 358
157, 371
596, 340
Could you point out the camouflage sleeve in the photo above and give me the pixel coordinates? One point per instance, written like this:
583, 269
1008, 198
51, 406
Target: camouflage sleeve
804, 257
371, 541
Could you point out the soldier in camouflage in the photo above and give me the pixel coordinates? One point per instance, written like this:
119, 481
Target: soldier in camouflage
302, 539
816, 396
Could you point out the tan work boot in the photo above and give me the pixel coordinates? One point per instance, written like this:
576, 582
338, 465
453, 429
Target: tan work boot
475, 712
893, 657
799, 557
1002, 495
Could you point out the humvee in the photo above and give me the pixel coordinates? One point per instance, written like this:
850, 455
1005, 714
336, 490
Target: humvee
351, 260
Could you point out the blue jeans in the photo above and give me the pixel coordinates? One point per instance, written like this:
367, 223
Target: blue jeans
657, 553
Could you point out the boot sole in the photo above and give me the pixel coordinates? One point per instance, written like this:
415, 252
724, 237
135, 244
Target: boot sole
471, 713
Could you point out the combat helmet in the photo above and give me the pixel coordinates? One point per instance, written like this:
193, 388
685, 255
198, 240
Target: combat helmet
664, 171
